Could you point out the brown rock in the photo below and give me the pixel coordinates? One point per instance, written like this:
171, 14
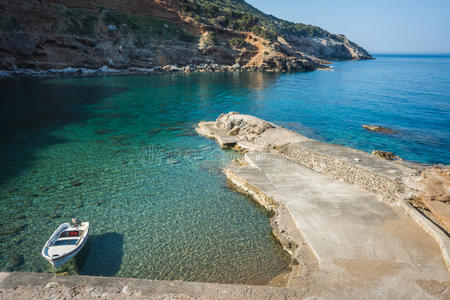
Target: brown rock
440, 210
436, 183
435, 193
378, 128
8, 63
248, 127
234, 131
384, 154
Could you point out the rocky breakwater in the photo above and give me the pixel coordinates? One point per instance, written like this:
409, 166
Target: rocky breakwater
325, 195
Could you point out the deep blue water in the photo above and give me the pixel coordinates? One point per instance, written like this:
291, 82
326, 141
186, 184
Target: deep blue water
410, 94
121, 152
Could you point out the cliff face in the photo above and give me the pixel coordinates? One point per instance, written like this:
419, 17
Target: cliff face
119, 34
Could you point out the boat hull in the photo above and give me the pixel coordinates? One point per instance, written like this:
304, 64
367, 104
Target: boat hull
62, 260
65, 257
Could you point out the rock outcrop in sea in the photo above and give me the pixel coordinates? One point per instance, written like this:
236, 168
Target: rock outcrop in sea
90, 37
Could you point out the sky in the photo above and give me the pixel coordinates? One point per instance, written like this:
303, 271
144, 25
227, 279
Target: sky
379, 26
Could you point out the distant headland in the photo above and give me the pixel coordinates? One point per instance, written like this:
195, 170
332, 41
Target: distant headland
88, 37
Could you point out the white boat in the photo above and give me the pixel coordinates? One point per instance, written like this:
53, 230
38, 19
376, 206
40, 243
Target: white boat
66, 242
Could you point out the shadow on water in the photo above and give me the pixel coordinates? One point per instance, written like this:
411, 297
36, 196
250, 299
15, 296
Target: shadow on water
103, 255
30, 110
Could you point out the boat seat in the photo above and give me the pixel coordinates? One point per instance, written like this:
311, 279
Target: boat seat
68, 238
65, 242
71, 233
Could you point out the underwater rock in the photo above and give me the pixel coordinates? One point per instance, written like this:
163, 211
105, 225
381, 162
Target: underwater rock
118, 138
46, 188
16, 260
119, 116
377, 128
103, 131
10, 230
76, 183
155, 131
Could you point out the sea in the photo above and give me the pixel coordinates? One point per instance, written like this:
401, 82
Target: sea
122, 153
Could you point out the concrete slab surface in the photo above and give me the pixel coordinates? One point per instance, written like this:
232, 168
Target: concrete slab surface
355, 237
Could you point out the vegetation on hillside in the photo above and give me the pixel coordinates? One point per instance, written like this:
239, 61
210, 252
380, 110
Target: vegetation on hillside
9, 23
78, 22
239, 15
238, 42
145, 27
81, 22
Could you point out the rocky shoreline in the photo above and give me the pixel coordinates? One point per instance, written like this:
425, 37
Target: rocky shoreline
103, 37
166, 69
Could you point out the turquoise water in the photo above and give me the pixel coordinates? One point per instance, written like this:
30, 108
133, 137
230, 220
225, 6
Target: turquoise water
121, 152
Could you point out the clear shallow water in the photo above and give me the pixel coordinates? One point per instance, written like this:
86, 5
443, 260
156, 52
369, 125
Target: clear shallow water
122, 153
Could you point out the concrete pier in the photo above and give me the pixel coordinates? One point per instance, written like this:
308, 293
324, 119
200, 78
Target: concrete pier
342, 213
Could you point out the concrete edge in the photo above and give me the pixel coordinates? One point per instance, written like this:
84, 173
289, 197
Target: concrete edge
223, 140
283, 224
30, 285
438, 235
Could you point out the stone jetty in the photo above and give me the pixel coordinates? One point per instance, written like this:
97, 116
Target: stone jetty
344, 215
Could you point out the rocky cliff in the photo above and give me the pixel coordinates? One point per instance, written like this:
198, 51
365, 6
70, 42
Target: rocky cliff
167, 35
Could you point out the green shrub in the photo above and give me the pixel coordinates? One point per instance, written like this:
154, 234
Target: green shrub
211, 10
222, 21
237, 42
9, 23
208, 39
264, 33
186, 37
190, 7
77, 22
144, 28
246, 22
212, 37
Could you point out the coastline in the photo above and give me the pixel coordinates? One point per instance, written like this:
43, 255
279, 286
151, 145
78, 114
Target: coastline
391, 184
165, 69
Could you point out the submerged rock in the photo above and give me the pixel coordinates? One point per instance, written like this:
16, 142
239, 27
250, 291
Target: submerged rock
16, 260
377, 128
103, 131
76, 183
10, 230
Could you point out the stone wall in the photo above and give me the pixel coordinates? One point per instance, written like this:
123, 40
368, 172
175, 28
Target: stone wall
350, 173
